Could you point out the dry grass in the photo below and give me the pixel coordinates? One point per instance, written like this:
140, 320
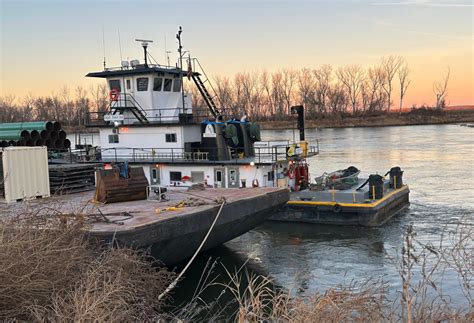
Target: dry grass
258, 300
49, 271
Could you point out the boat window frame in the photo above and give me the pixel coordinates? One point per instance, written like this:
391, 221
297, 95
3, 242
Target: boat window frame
177, 81
171, 137
111, 87
170, 84
172, 172
155, 80
114, 138
139, 88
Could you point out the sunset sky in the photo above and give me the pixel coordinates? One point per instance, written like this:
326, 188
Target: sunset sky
47, 44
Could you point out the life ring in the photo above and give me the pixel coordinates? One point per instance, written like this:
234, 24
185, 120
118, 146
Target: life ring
255, 183
337, 208
114, 95
291, 172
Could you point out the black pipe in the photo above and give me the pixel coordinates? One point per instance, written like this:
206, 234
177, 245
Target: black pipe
44, 134
67, 144
56, 126
53, 135
62, 134
35, 134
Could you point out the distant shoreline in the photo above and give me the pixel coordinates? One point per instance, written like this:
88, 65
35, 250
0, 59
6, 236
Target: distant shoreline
385, 120
426, 117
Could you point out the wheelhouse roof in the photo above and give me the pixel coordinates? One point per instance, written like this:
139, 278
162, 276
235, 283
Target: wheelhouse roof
137, 71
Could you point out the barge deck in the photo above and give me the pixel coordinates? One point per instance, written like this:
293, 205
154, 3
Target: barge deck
173, 233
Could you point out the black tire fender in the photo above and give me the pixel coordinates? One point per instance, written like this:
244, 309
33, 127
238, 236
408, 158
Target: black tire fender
337, 208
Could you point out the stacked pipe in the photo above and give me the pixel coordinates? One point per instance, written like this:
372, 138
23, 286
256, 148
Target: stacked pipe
38, 133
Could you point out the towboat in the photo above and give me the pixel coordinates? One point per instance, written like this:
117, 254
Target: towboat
342, 198
152, 123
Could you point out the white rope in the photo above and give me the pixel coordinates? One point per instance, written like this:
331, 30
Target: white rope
173, 284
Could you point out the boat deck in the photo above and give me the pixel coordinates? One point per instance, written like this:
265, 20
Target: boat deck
173, 233
351, 195
132, 214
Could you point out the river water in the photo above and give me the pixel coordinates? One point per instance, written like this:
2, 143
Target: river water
438, 163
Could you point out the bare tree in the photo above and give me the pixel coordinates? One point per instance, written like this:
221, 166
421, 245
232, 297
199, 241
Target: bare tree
373, 95
323, 77
403, 72
352, 77
306, 90
224, 90
289, 80
390, 66
440, 89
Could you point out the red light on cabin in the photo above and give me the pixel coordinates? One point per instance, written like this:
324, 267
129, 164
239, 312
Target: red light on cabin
123, 129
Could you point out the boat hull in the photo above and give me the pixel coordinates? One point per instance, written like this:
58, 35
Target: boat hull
364, 214
176, 239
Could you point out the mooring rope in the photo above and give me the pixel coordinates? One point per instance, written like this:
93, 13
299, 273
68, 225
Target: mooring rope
173, 284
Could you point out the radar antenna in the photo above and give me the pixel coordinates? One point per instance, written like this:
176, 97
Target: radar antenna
144, 44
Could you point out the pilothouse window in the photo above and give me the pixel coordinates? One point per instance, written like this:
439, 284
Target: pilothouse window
157, 84
167, 87
142, 84
115, 84
177, 85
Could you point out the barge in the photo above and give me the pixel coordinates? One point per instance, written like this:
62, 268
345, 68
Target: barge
359, 204
173, 228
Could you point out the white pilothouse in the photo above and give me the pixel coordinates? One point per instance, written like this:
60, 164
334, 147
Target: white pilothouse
151, 122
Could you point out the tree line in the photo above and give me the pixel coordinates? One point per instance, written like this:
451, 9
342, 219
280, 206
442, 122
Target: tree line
324, 91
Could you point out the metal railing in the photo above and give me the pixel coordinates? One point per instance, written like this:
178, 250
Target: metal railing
96, 118
265, 153
137, 155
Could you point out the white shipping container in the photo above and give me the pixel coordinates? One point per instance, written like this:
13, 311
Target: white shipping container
25, 173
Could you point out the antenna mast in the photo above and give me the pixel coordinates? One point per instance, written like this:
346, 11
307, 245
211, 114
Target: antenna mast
145, 46
180, 49
103, 45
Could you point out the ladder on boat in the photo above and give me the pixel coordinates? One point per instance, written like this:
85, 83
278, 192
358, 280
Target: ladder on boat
208, 98
127, 102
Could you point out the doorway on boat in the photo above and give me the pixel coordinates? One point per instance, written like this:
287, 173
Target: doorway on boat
233, 177
154, 175
219, 177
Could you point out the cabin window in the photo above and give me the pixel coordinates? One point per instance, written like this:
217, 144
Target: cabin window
167, 86
197, 177
175, 176
113, 139
128, 84
177, 85
170, 137
142, 84
233, 175
115, 84
157, 84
